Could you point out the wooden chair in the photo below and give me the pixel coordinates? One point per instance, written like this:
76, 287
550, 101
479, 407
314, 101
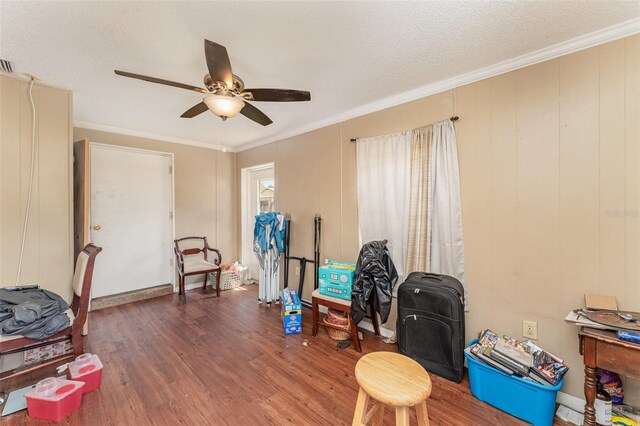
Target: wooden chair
391, 379
194, 261
82, 278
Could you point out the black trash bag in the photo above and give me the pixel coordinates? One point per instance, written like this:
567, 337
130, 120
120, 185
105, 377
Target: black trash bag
375, 278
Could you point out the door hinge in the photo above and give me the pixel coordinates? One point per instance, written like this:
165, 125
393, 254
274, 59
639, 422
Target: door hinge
170, 169
170, 215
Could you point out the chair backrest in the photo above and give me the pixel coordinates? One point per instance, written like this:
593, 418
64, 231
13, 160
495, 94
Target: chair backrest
200, 243
82, 278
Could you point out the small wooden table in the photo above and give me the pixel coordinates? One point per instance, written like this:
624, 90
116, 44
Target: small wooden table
341, 305
603, 349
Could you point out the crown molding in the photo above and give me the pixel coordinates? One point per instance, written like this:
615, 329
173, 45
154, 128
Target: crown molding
145, 135
576, 44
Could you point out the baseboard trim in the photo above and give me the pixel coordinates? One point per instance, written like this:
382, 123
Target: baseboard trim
570, 401
365, 323
130, 296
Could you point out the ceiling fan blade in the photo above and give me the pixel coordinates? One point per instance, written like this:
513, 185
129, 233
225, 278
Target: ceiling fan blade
195, 110
159, 81
218, 62
279, 95
255, 114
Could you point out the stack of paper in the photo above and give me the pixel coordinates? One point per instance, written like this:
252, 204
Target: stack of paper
577, 317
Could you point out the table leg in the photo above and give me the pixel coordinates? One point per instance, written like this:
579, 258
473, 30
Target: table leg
314, 315
589, 351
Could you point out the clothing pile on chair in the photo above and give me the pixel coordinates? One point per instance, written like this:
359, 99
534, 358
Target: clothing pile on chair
375, 277
33, 313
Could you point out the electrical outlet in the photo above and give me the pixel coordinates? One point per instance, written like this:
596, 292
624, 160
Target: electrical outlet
530, 329
297, 271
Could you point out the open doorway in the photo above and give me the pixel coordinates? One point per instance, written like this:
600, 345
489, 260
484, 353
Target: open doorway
258, 194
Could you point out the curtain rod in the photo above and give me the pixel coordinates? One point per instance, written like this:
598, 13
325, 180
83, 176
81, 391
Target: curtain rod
454, 118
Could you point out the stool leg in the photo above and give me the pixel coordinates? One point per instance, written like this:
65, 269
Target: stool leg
361, 408
378, 415
422, 414
402, 416
314, 313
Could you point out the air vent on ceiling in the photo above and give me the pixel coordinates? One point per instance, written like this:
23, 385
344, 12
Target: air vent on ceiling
6, 66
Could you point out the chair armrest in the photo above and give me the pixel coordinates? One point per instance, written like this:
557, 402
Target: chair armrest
217, 261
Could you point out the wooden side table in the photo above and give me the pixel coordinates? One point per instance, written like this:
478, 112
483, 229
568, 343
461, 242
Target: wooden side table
603, 349
341, 305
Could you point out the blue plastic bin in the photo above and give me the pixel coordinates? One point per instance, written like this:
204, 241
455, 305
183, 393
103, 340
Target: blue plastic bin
526, 400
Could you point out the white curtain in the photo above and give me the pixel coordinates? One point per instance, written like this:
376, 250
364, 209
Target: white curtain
409, 193
447, 247
383, 177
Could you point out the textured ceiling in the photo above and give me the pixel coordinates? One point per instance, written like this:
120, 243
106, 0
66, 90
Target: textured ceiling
347, 54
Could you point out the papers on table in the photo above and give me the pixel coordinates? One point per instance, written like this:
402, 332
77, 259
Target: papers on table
577, 317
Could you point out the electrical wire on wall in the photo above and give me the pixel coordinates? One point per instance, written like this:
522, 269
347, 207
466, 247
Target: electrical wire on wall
30, 189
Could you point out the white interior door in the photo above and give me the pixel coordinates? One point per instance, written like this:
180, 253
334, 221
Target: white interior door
131, 218
258, 194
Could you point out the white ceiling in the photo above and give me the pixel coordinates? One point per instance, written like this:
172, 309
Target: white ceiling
347, 54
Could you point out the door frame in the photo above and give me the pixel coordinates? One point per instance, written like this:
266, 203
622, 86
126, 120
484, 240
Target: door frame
245, 193
174, 281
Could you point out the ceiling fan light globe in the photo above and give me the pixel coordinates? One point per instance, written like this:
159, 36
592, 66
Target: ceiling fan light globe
224, 106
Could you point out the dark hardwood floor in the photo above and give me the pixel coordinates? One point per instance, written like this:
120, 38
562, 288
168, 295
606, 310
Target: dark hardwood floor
217, 361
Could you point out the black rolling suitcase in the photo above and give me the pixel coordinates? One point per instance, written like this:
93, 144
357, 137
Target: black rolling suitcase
430, 324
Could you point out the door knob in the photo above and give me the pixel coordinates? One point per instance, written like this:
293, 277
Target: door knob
97, 227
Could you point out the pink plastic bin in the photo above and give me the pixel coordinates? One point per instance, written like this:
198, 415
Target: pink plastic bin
87, 368
54, 399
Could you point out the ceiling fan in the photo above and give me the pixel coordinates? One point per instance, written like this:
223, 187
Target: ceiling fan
225, 93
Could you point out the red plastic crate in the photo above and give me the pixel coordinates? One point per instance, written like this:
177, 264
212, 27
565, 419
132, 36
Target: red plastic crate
87, 368
54, 399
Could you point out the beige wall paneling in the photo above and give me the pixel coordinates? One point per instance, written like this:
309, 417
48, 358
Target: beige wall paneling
612, 278
544, 152
48, 258
579, 193
11, 94
473, 103
31, 261
55, 167
226, 217
504, 182
200, 175
632, 167
308, 183
538, 218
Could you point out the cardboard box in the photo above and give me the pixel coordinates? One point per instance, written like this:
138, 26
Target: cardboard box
336, 279
291, 311
598, 301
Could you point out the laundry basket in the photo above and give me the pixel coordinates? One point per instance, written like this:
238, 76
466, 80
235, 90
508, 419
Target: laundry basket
336, 318
232, 276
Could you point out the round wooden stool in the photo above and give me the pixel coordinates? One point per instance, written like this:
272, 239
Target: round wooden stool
394, 379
